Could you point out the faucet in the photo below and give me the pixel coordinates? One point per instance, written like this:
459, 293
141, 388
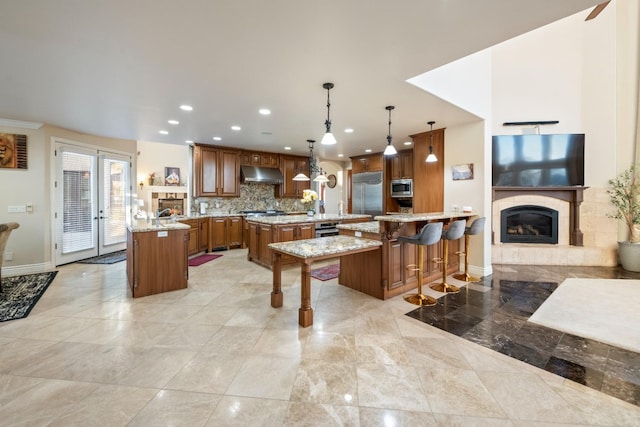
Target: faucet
160, 212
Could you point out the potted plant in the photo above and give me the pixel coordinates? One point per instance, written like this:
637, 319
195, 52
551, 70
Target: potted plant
624, 195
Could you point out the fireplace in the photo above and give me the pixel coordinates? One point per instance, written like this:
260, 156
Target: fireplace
529, 224
176, 206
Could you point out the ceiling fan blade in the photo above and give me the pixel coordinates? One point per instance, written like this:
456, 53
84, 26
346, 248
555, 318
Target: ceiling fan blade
596, 10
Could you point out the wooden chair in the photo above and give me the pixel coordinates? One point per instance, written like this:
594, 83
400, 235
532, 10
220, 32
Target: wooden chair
5, 231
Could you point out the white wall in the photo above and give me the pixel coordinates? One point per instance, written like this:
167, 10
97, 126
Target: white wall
333, 196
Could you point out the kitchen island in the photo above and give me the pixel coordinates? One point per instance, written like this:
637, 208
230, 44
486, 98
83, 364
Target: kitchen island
388, 276
306, 252
157, 257
263, 230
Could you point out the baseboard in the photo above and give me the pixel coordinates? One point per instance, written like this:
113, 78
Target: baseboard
27, 269
479, 271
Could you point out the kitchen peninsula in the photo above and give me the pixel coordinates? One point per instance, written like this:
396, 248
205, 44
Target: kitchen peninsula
392, 278
263, 230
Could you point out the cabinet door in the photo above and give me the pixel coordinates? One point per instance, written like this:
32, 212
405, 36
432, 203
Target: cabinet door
218, 232
253, 241
203, 235
265, 239
287, 233
193, 241
406, 164
374, 163
306, 231
234, 232
302, 165
206, 171
288, 169
358, 164
229, 173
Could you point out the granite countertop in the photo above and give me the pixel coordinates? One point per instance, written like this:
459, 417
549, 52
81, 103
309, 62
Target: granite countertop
310, 248
430, 216
365, 227
142, 225
299, 219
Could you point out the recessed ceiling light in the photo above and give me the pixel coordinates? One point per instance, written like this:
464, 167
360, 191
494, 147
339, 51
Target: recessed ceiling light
164, 132
340, 155
188, 141
235, 127
266, 133
368, 150
217, 138
264, 111
186, 107
287, 148
348, 130
173, 122
408, 143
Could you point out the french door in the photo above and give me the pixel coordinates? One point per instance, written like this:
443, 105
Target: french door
92, 202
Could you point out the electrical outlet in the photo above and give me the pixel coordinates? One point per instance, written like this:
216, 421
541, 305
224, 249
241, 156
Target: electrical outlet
29, 207
8, 256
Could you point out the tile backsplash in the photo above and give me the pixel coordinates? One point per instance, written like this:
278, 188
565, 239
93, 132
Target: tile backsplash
252, 197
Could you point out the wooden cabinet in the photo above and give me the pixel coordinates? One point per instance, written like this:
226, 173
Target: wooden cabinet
428, 178
260, 235
194, 235
226, 232
157, 261
216, 171
402, 165
367, 163
259, 158
291, 166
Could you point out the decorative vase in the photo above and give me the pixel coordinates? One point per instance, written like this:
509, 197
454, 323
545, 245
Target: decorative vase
629, 254
150, 181
310, 213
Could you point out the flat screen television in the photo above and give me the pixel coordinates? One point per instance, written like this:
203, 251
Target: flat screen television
538, 160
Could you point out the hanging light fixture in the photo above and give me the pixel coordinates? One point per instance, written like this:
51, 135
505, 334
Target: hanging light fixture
431, 158
313, 168
328, 138
390, 150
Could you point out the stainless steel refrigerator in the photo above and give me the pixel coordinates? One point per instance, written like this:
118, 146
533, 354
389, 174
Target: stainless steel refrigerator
366, 193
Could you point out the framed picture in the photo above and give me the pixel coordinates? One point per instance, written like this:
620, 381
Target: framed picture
13, 151
171, 176
462, 171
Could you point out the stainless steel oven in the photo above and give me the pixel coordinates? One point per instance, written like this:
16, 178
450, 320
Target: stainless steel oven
401, 188
327, 228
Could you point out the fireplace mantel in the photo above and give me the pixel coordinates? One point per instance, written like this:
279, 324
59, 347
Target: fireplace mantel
571, 194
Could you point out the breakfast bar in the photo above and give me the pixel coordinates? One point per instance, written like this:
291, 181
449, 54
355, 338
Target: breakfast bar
306, 252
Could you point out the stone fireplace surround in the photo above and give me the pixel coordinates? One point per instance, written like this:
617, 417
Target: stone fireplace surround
586, 236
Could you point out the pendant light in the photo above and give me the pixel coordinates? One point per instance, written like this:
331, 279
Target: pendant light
431, 158
328, 138
313, 168
390, 150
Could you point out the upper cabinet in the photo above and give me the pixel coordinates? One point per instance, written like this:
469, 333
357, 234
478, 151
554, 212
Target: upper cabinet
216, 171
402, 165
367, 163
259, 158
291, 166
428, 178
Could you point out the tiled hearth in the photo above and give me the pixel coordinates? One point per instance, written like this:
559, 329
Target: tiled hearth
600, 233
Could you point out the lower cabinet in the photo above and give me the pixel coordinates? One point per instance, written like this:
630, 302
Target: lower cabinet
260, 235
194, 235
226, 232
157, 261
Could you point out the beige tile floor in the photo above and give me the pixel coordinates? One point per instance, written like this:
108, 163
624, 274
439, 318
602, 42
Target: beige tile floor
217, 354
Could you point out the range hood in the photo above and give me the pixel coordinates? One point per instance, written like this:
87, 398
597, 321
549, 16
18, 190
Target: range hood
260, 175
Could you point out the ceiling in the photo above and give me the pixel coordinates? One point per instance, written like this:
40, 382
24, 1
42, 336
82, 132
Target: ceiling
122, 68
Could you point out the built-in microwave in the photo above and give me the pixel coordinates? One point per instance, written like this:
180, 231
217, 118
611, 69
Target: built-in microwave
401, 188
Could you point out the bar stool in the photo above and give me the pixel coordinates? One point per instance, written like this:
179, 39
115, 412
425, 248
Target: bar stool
477, 226
429, 235
454, 232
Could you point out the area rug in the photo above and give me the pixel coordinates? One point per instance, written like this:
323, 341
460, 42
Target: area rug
111, 258
21, 293
201, 259
326, 273
604, 310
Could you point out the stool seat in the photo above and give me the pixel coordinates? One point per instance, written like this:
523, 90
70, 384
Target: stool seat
429, 235
477, 227
454, 232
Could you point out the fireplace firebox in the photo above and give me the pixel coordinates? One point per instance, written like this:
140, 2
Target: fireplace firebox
529, 224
